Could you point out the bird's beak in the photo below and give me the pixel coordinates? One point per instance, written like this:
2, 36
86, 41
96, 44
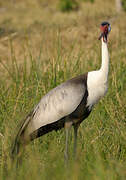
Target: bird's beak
100, 36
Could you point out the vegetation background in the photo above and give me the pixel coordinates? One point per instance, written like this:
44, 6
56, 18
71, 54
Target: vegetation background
41, 45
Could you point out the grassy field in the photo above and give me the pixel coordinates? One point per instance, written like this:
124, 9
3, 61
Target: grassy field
40, 47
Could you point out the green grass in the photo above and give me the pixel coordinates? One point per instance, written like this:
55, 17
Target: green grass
68, 5
102, 137
40, 60
124, 5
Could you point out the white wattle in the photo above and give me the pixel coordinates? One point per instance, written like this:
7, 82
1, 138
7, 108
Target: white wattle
97, 80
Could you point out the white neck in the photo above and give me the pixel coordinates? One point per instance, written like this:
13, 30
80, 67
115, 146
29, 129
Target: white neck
97, 80
105, 60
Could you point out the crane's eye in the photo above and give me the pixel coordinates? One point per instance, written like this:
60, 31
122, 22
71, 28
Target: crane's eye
109, 28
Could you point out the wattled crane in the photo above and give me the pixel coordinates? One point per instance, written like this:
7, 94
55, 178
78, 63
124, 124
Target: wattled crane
68, 104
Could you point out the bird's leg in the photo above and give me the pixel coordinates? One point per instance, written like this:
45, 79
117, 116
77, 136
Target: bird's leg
75, 140
68, 126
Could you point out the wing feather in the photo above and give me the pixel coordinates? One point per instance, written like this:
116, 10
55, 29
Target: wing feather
58, 103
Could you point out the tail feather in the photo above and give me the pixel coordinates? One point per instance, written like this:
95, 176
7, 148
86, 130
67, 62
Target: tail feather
19, 141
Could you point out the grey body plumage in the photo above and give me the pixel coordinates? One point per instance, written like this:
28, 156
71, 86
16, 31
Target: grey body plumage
73, 93
76, 115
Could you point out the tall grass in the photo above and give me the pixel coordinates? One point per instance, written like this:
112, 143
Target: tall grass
31, 66
101, 140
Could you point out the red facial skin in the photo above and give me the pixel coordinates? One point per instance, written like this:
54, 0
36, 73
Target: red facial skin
104, 30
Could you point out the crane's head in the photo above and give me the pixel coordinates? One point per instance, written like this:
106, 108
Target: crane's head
105, 29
